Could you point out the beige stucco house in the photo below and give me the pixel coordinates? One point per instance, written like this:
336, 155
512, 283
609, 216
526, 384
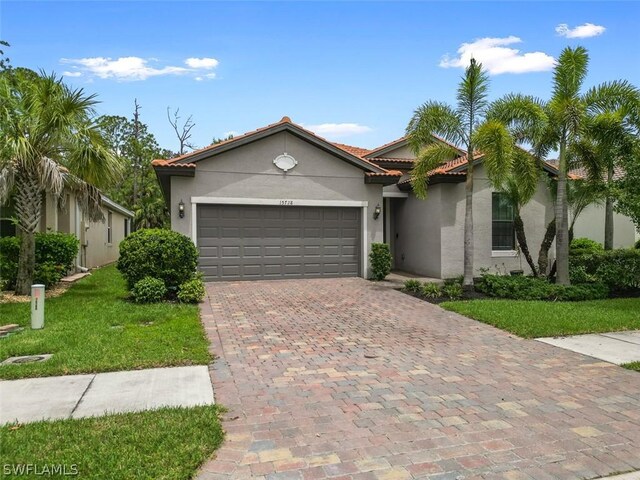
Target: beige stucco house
281, 202
99, 241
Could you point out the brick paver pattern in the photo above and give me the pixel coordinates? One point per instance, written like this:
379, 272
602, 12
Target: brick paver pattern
341, 378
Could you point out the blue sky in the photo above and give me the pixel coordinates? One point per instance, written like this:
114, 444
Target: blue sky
352, 71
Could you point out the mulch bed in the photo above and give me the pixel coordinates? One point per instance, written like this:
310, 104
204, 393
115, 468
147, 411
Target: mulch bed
11, 297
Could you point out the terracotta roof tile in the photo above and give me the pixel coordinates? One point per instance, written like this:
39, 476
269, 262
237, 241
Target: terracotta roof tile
357, 151
388, 173
392, 159
169, 163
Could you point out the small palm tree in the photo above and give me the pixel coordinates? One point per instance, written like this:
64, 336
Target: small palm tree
559, 124
456, 126
49, 144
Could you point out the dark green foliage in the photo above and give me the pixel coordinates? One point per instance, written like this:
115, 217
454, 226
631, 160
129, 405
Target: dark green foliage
164, 254
618, 269
531, 288
413, 286
148, 290
191, 291
638, 244
452, 291
380, 259
454, 280
431, 290
583, 246
55, 256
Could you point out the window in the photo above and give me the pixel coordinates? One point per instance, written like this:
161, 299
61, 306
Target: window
503, 234
109, 227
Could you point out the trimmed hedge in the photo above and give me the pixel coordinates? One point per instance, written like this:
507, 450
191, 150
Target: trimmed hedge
531, 288
584, 246
380, 260
149, 290
55, 255
191, 291
638, 244
618, 269
163, 254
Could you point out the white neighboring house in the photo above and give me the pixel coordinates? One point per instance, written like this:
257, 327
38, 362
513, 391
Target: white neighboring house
99, 241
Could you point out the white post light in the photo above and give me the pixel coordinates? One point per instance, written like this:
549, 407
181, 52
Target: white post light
37, 306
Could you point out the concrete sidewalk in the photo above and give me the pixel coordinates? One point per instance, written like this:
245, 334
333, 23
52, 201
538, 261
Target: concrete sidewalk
616, 347
77, 396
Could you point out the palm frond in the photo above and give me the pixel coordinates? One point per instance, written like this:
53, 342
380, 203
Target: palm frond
88, 197
428, 159
497, 145
472, 95
50, 176
526, 173
611, 96
569, 73
7, 181
434, 118
524, 116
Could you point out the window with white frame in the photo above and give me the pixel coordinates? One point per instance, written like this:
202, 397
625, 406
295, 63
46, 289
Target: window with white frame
502, 229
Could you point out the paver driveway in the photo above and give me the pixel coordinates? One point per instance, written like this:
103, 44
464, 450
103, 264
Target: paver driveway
343, 378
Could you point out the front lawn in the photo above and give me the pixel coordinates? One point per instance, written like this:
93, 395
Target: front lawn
169, 443
94, 328
532, 319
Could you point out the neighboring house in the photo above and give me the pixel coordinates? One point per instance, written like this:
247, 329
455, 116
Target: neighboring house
281, 202
98, 240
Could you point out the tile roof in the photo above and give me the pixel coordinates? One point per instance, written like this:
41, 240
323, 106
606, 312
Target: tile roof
393, 159
357, 151
169, 163
388, 173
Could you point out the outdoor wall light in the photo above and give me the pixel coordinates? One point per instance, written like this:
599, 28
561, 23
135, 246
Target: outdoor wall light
181, 209
376, 212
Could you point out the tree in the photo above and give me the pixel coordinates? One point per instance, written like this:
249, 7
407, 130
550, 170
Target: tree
217, 140
50, 143
135, 147
5, 63
627, 187
559, 124
182, 132
456, 126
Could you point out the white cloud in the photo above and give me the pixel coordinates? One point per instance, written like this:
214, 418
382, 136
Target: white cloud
337, 130
205, 63
72, 74
498, 58
136, 68
581, 31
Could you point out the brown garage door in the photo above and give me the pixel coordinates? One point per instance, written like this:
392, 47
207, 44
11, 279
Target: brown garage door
244, 242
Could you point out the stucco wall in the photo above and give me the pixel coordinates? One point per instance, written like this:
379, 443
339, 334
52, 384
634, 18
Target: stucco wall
416, 232
249, 172
98, 251
432, 230
590, 224
400, 152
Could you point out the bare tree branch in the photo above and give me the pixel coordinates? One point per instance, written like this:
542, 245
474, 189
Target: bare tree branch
182, 132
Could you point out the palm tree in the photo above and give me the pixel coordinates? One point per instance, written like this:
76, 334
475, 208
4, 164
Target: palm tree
50, 144
559, 124
456, 126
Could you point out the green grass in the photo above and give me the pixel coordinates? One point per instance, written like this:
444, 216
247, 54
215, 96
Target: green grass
632, 366
532, 319
169, 443
79, 332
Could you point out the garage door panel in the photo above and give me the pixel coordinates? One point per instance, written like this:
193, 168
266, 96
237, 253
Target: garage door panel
248, 242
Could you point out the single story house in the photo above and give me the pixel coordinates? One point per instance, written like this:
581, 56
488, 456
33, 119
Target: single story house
99, 241
282, 202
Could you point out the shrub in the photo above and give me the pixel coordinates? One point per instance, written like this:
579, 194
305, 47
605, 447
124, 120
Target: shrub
452, 291
638, 244
431, 290
413, 286
380, 260
148, 290
618, 269
454, 280
584, 246
191, 291
531, 288
55, 255
164, 254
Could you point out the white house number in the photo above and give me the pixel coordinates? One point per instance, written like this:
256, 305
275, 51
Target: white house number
286, 202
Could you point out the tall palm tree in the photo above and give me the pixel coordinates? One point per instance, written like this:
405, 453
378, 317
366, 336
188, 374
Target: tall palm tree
50, 144
456, 126
559, 124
